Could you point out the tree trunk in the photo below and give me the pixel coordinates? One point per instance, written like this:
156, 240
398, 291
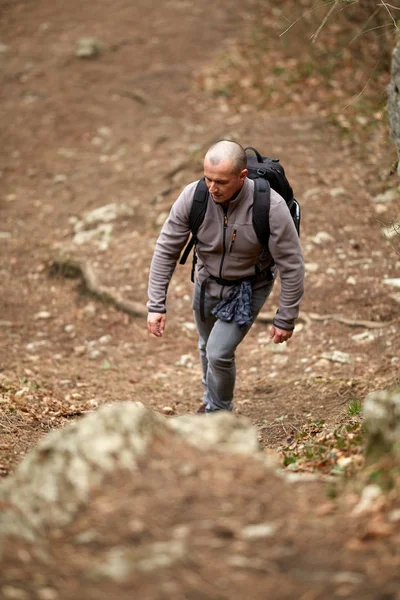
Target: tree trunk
394, 100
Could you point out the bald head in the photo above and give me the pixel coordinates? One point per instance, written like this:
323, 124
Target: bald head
227, 151
225, 170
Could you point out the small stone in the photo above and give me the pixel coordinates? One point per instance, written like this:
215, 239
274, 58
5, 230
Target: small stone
388, 196
365, 336
391, 231
311, 267
380, 209
105, 339
339, 191
259, 531
60, 178
42, 315
322, 237
79, 350
88, 48
393, 282
394, 516
186, 360
337, 356
94, 354
3, 48
5, 235
167, 410
351, 280
90, 310
368, 498
69, 328
104, 131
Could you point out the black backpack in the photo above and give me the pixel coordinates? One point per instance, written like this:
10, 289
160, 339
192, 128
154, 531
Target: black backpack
267, 173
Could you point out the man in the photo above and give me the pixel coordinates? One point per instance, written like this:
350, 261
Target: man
234, 273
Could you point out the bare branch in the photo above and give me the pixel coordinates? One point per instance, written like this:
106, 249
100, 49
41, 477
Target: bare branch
325, 20
368, 31
390, 14
307, 12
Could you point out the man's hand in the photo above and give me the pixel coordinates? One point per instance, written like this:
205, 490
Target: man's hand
279, 335
156, 323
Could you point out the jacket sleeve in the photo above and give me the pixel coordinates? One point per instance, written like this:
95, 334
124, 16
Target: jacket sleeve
285, 249
172, 239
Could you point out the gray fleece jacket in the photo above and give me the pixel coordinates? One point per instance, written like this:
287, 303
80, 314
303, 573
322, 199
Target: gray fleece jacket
228, 248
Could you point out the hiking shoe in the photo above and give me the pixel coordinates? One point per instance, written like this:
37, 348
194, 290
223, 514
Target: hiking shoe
201, 410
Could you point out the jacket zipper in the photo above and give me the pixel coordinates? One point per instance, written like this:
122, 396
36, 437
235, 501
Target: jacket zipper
223, 241
232, 240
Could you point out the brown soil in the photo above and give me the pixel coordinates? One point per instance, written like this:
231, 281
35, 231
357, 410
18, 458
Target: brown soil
130, 125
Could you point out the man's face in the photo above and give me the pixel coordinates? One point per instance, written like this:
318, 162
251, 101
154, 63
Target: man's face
222, 181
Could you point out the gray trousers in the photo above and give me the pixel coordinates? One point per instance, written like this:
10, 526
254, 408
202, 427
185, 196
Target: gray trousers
218, 341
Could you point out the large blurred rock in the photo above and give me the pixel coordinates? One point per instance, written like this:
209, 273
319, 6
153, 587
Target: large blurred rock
382, 422
394, 100
56, 479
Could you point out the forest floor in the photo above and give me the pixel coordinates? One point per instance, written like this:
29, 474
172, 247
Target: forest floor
129, 127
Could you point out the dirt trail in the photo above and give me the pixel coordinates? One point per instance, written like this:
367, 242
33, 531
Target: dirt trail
130, 126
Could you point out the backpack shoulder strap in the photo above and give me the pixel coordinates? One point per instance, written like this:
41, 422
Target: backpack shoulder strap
196, 217
261, 205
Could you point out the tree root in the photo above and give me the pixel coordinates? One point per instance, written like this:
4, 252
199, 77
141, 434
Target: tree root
307, 319
70, 268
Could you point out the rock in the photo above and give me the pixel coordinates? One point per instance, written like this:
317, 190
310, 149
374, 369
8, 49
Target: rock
368, 498
186, 360
88, 48
90, 310
388, 196
311, 267
382, 423
339, 191
259, 531
167, 410
365, 336
393, 282
351, 280
101, 236
60, 178
80, 350
108, 213
392, 230
42, 315
322, 237
55, 480
337, 356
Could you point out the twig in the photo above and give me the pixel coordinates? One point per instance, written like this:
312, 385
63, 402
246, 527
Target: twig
322, 25
390, 14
